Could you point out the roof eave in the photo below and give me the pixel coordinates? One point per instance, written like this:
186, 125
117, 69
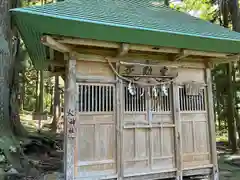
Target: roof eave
45, 24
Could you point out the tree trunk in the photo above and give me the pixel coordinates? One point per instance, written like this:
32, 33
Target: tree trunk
22, 95
230, 98
9, 117
166, 2
56, 105
234, 14
37, 93
237, 118
41, 93
218, 115
4, 61
51, 103
230, 111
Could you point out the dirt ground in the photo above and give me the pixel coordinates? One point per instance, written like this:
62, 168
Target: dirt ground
229, 167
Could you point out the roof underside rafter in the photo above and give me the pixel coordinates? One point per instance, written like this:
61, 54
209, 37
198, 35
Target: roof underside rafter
122, 21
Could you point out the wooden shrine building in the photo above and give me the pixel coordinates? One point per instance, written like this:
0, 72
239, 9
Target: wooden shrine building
138, 90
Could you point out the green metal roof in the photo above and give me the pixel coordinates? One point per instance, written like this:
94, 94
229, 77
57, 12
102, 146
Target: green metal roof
131, 21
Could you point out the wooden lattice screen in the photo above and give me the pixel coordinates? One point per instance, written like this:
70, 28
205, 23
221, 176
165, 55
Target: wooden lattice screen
95, 98
161, 103
135, 102
192, 102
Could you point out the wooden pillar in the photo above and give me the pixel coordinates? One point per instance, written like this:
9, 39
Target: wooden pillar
70, 119
178, 133
119, 124
211, 124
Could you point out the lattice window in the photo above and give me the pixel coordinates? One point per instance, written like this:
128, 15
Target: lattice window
162, 101
96, 98
135, 102
192, 102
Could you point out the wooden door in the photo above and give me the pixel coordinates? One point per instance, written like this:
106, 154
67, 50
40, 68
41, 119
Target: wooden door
162, 132
148, 138
194, 128
95, 146
135, 132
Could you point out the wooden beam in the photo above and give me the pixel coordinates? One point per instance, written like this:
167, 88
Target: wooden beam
57, 73
123, 50
234, 56
70, 116
186, 62
180, 56
86, 42
104, 44
136, 47
142, 64
216, 61
205, 54
98, 58
146, 48
52, 43
57, 63
94, 79
61, 44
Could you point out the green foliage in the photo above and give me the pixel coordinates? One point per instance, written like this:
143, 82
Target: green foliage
25, 3
204, 9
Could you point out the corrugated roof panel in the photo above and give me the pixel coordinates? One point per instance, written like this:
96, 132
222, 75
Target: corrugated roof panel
131, 21
31, 37
139, 14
